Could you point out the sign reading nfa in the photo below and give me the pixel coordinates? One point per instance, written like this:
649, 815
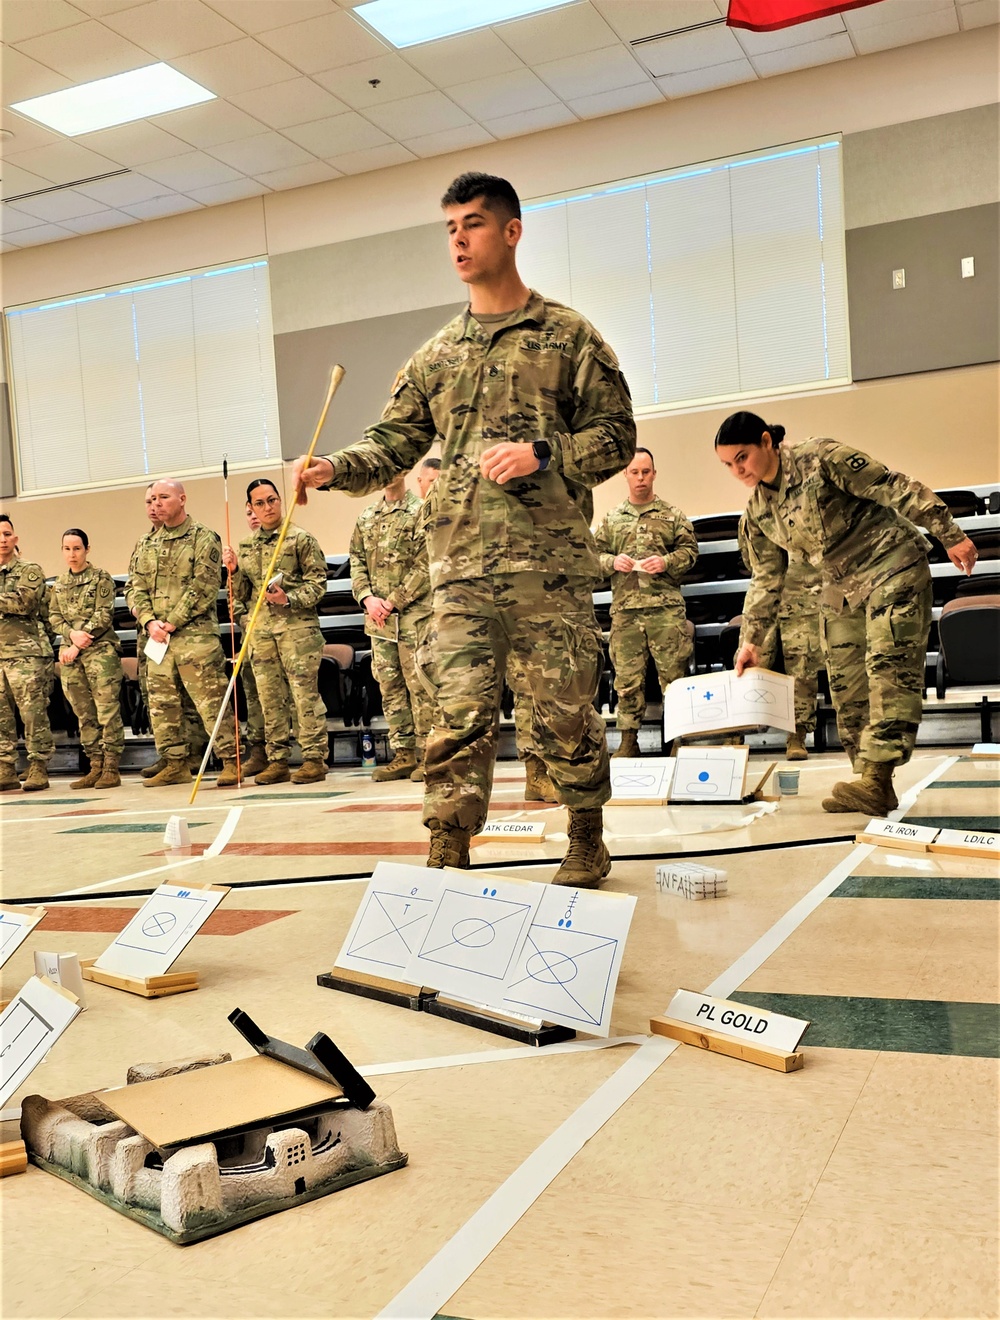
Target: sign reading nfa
737, 1021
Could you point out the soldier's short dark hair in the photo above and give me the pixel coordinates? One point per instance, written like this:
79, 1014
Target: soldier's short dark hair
434, 463
77, 531
746, 428
5, 517
498, 195
641, 449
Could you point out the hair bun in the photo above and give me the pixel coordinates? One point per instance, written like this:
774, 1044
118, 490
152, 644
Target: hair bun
777, 434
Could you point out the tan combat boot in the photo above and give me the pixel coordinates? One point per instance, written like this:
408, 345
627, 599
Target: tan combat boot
8, 777
795, 748
310, 772
872, 795
629, 745
110, 778
418, 775
587, 860
194, 760
89, 780
229, 776
38, 777
402, 765
151, 771
449, 845
255, 761
538, 786
275, 772
175, 771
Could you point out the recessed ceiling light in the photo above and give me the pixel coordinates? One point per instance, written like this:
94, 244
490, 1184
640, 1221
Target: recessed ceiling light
117, 100
406, 23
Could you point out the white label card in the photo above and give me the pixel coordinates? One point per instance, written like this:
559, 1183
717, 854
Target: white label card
973, 841
29, 1026
512, 829
901, 831
738, 1021
16, 924
989, 750
160, 931
391, 919
155, 651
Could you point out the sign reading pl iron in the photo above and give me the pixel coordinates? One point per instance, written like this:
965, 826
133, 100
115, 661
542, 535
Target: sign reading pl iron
738, 1021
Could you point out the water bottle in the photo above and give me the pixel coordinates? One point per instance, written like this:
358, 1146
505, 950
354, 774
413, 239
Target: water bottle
367, 750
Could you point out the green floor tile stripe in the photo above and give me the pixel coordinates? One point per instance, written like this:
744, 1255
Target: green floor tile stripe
919, 886
908, 1026
29, 800
963, 783
289, 797
134, 828
983, 824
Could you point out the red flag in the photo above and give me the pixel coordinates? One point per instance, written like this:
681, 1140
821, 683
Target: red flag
769, 15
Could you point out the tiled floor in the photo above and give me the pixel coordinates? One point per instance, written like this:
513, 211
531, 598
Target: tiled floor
863, 1185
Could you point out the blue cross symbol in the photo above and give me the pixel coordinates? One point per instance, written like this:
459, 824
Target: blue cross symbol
708, 696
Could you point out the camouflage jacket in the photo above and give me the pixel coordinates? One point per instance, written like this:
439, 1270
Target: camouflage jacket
657, 528
547, 375
84, 602
302, 565
387, 542
139, 545
22, 602
844, 512
176, 573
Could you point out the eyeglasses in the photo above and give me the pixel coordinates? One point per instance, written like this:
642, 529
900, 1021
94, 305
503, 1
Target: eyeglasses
265, 504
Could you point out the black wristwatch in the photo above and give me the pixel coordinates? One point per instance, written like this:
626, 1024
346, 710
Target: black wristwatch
543, 452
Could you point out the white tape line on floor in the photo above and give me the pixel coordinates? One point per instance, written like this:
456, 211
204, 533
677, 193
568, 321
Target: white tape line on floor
497, 1056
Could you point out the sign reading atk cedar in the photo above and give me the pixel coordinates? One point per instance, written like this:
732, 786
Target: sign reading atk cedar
738, 1021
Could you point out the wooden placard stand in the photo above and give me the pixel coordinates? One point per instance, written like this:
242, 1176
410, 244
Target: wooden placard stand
423, 1000
13, 1158
149, 987
706, 1039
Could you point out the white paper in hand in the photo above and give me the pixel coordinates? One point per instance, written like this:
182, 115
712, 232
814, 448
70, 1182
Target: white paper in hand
155, 651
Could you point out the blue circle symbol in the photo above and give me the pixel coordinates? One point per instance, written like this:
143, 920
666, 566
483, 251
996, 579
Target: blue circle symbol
560, 921
486, 891
493, 893
568, 924
703, 777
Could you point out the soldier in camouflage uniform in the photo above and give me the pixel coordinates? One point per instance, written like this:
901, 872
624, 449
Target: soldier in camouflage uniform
384, 548
174, 586
254, 754
286, 645
531, 410
191, 730
81, 609
851, 517
25, 666
646, 546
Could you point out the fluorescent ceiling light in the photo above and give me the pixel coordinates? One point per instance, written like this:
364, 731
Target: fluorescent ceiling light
118, 100
409, 22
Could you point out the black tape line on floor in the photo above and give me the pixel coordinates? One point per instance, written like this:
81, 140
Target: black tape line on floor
63, 899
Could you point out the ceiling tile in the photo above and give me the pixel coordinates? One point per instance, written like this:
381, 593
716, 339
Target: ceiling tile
11, 220
978, 13
257, 155
58, 206
323, 43
690, 50
503, 94
23, 20
297, 101
452, 139
133, 144
173, 204
23, 134
807, 56
757, 43
613, 103
375, 158
126, 190
352, 82
940, 23
707, 80
16, 180
336, 135
192, 170
207, 124
416, 116
557, 34
530, 121
300, 176
85, 52
259, 15
593, 72
633, 19
888, 11
24, 78
169, 28
450, 61
99, 8
239, 66
221, 193
92, 224
63, 162
41, 234
6, 246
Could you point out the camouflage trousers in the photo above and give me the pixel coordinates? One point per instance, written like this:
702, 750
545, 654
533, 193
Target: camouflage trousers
524, 713
407, 702
547, 623
196, 665
25, 684
194, 735
93, 684
286, 671
255, 716
635, 636
802, 648
875, 657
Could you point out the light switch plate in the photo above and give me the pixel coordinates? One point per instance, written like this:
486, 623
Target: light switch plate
899, 279
968, 267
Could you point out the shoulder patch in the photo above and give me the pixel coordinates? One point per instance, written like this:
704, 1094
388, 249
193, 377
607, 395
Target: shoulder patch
856, 462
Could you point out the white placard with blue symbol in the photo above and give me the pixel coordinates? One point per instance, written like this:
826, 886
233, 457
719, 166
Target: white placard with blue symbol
710, 774
703, 704
161, 930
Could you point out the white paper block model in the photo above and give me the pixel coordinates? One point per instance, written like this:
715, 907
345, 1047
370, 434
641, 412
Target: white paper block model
691, 880
177, 834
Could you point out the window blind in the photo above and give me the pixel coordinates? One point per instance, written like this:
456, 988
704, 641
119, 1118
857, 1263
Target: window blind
158, 378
